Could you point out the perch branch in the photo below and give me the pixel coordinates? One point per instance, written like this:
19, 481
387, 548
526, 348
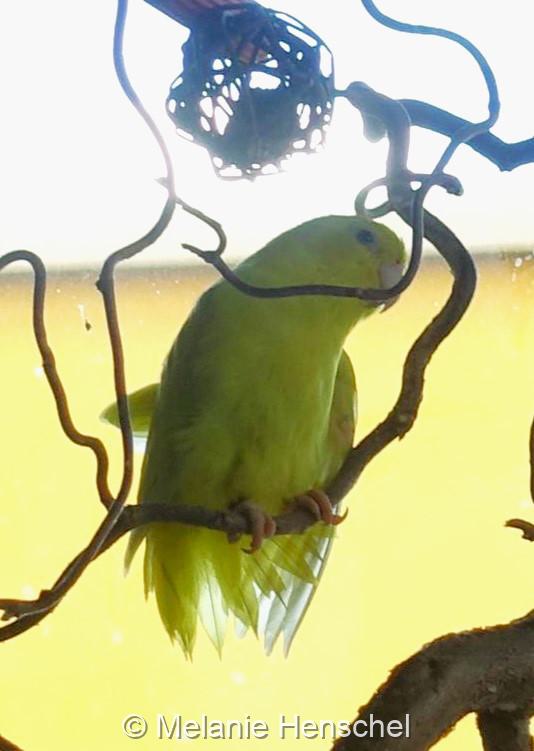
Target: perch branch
486, 671
232, 522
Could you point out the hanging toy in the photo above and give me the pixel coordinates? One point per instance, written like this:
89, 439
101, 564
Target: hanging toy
256, 87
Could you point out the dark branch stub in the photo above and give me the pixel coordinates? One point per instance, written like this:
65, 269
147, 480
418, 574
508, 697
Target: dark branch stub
486, 671
526, 528
505, 730
6, 745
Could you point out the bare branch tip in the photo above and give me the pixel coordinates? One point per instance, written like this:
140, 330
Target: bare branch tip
523, 526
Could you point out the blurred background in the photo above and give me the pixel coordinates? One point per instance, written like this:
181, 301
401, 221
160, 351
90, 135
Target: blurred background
79, 165
424, 551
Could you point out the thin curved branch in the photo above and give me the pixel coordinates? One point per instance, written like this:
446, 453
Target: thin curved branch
468, 46
105, 283
402, 417
467, 130
377, 108
35, 610
401, 200
51, 372
397, 123
505, 156
486, 671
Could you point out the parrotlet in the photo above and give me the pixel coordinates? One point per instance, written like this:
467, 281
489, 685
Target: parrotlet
256, 408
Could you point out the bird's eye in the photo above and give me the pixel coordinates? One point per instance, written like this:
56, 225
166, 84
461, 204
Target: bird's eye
365, 237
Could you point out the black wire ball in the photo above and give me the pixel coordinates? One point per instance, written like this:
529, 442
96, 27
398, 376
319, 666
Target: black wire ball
257, 86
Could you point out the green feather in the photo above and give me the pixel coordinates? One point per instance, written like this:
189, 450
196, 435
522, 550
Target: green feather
141, 405
256, 401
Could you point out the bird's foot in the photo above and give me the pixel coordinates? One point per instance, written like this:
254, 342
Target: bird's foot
319, 504
262, 525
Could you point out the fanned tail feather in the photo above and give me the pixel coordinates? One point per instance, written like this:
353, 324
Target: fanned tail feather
213, 613
196, 574
279, 618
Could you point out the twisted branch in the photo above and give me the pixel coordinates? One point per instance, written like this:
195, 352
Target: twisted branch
31, 612
486, 671
505, 156
51, 372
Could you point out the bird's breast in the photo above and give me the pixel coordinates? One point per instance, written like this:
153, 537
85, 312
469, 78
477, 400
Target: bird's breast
279, 429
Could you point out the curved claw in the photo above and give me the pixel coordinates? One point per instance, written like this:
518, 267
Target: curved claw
262, 524
319, 504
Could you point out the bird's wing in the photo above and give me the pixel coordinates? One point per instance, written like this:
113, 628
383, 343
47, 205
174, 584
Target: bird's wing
141, 405
283, 615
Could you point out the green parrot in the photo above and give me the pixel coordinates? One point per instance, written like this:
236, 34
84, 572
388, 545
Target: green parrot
257, 407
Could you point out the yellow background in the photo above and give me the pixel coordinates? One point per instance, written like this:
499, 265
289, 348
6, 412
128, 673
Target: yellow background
422, 553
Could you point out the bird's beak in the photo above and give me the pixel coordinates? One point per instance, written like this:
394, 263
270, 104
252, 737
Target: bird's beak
390, 275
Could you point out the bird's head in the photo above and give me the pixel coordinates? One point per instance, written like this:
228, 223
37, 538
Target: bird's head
346, 251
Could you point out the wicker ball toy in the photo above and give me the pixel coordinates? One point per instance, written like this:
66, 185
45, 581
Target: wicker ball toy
256, 86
